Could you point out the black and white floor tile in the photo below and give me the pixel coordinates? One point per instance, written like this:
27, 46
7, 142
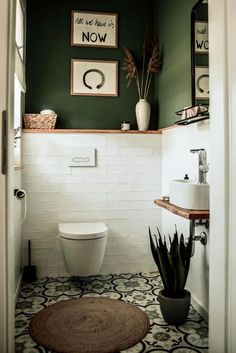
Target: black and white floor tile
140, 289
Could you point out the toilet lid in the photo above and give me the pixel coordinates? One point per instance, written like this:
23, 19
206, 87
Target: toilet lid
82, 230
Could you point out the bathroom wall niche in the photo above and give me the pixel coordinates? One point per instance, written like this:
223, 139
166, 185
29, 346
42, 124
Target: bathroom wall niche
200, 53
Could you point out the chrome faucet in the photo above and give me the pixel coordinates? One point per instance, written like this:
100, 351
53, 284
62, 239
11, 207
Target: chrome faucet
203, 166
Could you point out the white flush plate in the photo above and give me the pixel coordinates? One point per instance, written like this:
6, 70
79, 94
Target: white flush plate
85, 157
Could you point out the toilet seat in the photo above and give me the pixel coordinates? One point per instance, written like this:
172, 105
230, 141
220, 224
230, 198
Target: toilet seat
82, 231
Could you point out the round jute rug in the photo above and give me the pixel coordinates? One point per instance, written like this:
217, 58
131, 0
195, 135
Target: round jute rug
89, 325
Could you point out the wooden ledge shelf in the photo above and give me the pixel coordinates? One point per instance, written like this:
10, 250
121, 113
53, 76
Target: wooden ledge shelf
89, 131
182, 212
97, 131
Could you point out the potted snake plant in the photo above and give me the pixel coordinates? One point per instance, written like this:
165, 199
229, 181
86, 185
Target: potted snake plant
173, 263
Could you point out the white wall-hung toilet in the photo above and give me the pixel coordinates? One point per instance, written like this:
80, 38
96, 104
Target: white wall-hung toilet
83, 247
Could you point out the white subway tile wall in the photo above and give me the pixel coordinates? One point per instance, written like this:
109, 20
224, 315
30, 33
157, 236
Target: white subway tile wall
119, 191
178, 161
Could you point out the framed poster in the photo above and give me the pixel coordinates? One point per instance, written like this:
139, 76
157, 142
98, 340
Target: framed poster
201, 37
202, 82
94, 77
94, 29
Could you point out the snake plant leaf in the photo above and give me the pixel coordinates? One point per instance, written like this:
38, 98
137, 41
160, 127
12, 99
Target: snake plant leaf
164, 241
174, 249
188, 252
173, 263
156, 258
173, 258
182, 247
179, 265
166, 267
180, 276
188, 249
169, 239
154, 248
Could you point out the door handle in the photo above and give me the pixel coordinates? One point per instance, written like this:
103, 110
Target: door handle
4, 142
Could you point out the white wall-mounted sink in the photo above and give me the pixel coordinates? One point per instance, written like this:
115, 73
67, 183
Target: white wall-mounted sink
189, 194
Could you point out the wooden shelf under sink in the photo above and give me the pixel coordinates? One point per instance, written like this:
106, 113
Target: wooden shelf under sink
183, 212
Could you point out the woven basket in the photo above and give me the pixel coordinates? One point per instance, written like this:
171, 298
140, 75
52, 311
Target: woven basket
40, 121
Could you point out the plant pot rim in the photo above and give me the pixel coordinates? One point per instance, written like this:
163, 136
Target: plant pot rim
187, 293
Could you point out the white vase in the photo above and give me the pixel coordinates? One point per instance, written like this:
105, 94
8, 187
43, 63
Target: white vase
143, 111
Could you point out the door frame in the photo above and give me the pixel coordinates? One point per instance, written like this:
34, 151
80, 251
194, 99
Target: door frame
3, 182
222, 311
231, 239
222, 274
7, 270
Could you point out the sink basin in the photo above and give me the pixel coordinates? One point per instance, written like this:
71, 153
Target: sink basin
189, 194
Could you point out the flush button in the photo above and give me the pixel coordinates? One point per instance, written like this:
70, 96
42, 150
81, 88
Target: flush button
84, 157
77, 159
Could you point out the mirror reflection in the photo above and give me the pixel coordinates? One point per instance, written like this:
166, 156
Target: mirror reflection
200, 51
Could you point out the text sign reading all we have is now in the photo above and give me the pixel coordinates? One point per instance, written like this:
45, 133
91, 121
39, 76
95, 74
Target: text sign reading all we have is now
95, 29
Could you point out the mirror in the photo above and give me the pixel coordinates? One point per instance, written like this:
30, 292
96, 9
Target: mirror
199, 53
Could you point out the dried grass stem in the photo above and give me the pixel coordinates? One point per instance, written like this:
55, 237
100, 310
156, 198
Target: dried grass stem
151, 50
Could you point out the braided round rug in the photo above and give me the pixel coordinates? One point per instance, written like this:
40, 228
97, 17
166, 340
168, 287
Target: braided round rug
89, 325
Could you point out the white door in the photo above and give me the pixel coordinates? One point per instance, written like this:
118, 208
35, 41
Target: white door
3, 240
231, 249
222, 313
6, 249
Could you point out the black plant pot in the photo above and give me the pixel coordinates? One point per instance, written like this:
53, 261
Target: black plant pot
175, 310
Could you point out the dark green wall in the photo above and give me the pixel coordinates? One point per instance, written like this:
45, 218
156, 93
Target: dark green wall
49, 54
173, 84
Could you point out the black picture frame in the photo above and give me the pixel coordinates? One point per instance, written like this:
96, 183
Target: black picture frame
194, 54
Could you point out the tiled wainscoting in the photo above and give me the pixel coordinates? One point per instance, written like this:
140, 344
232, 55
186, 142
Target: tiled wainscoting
119, 191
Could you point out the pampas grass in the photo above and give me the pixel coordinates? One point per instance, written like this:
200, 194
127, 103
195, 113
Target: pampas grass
131, 70
150, 66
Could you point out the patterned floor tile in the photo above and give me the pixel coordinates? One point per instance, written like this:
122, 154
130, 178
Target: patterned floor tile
140, 289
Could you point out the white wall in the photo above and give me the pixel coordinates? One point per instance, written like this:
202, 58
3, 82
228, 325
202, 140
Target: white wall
178, 161
17, 183
17, 229
119, 191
